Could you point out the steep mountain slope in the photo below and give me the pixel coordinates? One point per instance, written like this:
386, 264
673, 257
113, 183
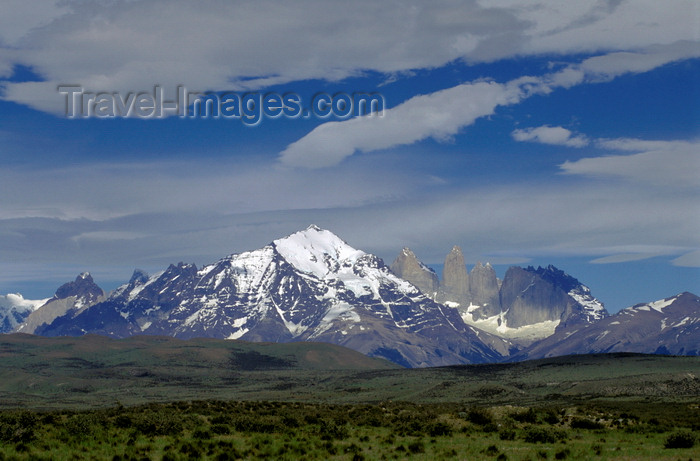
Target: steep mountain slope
70, 297
309, 286
14, 309
667, 326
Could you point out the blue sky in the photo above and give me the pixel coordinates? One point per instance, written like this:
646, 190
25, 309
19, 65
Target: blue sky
528, 133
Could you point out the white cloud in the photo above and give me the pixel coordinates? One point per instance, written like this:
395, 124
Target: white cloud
604, 25
555, 135
444, 113
608, 66
438, 115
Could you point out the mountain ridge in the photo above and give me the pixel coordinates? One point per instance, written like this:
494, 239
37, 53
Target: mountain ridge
313, 286
310, 285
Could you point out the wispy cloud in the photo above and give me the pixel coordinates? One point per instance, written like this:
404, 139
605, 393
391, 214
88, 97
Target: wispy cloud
691, 259
128, 45
669, 163
438, 115
555, 135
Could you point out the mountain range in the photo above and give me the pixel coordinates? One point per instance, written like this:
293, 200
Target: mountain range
313, 286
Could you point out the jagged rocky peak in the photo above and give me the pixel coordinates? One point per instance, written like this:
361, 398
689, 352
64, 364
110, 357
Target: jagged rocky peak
454, 287
408, 267
139, 277
484, 290
83, 287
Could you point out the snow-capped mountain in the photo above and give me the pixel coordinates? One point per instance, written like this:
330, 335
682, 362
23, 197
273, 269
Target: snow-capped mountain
308, 286
667, 326
14, 309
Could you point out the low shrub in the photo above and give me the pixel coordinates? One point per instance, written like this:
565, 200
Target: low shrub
527, 416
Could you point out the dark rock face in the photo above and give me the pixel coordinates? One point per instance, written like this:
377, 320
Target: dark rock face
409, 268
668, 326
309, 286
528, 298
532, 295
455, 279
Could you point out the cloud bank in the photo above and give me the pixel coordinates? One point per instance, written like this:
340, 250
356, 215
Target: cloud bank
131, 45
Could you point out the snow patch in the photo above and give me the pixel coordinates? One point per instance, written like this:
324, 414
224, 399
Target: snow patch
527, 332
339, 311
238, 333
659, 305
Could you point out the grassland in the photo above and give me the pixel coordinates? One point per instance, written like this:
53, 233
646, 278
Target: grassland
165, 399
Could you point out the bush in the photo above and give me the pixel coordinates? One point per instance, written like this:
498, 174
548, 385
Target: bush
551, 418
439, 429
681, 439
416, 447
528, 416
536, 434
17, 427
507, 434
479, 416
562, 454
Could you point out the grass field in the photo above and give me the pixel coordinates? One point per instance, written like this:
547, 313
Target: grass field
277, 430
165, 399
